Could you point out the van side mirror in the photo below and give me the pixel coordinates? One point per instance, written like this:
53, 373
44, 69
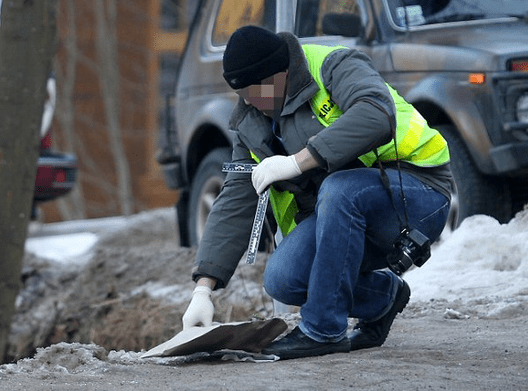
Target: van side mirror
347, 25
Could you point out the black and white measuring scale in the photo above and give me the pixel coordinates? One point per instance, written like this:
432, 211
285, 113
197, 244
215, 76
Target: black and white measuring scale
260, 214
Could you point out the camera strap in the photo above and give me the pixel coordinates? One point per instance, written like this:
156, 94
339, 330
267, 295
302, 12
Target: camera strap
412, 247
404, 222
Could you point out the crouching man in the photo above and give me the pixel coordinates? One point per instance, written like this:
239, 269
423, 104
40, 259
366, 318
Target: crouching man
350, 164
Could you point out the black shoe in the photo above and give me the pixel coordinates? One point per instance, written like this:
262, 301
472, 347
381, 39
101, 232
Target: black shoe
373, 334
296, 344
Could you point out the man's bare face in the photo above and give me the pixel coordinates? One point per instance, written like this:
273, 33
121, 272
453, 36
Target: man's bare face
268, 96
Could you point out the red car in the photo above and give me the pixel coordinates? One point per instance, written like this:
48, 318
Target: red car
56, 172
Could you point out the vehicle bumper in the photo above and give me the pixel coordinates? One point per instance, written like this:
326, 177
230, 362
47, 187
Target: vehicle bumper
56, 175
510, 157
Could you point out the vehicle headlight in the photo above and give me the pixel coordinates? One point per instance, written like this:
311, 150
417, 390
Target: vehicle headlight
522, 108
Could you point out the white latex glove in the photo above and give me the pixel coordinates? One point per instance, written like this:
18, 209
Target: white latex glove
273, 169
200, 310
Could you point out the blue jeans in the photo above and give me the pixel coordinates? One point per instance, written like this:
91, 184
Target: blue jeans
333, 264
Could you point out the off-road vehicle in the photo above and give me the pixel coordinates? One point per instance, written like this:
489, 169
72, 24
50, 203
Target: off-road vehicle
462, 63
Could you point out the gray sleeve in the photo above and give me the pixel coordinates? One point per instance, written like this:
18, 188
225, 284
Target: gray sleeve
368, 119
228, 226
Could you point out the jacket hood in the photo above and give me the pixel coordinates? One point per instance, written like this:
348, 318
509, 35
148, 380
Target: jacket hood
299, 74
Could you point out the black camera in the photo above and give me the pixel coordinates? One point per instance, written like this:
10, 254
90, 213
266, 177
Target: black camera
411, 248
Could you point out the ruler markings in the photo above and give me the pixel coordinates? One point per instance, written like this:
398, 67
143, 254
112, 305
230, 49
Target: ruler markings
260, 214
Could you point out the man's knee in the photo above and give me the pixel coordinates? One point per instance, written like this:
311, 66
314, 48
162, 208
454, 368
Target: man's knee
272, 284
282, 287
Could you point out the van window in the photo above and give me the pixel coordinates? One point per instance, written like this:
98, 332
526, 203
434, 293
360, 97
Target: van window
310, 14
233, 14
420, 12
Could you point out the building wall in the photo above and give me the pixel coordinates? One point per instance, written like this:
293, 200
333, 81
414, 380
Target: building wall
116, 46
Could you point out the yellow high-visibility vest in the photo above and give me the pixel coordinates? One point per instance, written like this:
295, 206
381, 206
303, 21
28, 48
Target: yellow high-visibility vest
417, 143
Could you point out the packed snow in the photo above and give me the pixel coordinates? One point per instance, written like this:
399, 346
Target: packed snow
480, 259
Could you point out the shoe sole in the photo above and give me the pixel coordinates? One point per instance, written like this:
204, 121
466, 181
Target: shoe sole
406, 292
339, 347
400, 302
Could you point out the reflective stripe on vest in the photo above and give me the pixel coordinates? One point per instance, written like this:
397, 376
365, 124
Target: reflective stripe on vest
417, 142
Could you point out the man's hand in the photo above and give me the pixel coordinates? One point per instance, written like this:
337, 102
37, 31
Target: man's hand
273, 169
201, 308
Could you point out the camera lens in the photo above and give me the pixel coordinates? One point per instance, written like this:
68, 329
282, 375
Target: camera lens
401, 262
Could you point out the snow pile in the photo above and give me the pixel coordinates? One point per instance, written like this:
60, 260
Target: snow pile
76, 358
482, 259
64, 249
70, 358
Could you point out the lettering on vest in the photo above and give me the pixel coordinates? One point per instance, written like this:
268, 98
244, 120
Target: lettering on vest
326, 107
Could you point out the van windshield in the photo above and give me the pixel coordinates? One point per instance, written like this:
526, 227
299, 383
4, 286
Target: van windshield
427, 12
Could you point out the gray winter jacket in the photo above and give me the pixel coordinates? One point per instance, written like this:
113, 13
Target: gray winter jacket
368, 121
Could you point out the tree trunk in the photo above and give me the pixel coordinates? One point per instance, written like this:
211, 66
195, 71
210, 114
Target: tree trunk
27, 44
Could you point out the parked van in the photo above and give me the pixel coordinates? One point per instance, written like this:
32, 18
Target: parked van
462, 63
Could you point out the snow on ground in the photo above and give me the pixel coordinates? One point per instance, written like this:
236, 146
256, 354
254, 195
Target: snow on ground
482, 264
481, 259
76, 358
64, 248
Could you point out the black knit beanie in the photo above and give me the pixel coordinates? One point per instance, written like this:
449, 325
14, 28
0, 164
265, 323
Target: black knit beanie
253, 54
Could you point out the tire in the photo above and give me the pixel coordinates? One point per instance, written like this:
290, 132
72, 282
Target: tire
205, 187
475, 193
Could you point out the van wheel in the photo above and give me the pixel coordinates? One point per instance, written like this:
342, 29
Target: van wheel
205, 188
475, 193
